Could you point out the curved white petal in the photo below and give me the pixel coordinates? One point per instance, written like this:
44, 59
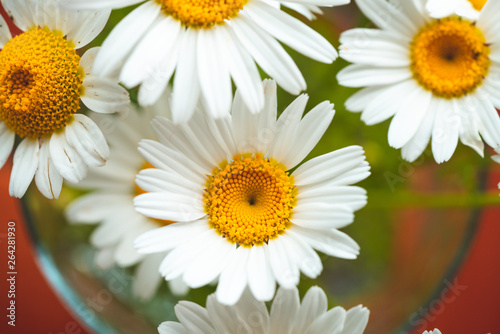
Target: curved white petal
48, 180
24, 167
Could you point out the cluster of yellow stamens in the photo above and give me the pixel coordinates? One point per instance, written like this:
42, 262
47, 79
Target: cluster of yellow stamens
40, 82
450, 57
249, 200
202, 13
477, 4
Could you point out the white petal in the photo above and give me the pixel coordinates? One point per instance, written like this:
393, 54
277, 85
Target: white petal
387, 102
5, 34
169, 237
172, 161
233, 279
87, 139
20, 13
291, 31
418, 143
322, 216
242, 69
7, 138
329, 166
194, 317
388, 16
213, 72
408, 119
329, 322
66, 159
24, 167
103, 95
489, 129
96, 206
286, 273
85, 26
313, 306
157, 44
171, 327
304, 256
147, 277
208, 266
310, 130
374, 47
286, 129
180, 258
254, 132
97, 4
446, 130
47, 178
124, 37
269, 54
356, 320
186, 89
284, 311
333, 242
350, 196
361, 75
170, 206
358, 101
260, 277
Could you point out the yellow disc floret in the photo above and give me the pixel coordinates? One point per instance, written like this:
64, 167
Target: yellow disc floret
450, 57
40, 82
477, 4
202, 13
249, 200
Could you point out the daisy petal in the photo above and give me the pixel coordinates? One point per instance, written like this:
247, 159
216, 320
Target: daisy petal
24, 167
104, 96
291, 32
7, 138
47, 178
66, 159
88, 140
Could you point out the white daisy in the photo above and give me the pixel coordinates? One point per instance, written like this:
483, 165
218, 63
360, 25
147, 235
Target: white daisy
435, 331
242, 217
42, 81
110, 203
287, 315
207, 43
467, 8
438, 78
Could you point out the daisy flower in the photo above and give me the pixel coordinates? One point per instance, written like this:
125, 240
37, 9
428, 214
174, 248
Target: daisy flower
287, 315
242, 217
435, 331
467, 8
439, 78
42, 81
110, 202
207, 43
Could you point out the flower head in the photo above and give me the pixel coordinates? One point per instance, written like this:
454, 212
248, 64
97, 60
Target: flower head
42, 81
242, 216
437, 77
287, 315
208, 43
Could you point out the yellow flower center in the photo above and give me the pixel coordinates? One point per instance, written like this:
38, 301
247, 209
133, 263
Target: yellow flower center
202, 13
40, 82
139, 191
477, 4
450, 57
249, 200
